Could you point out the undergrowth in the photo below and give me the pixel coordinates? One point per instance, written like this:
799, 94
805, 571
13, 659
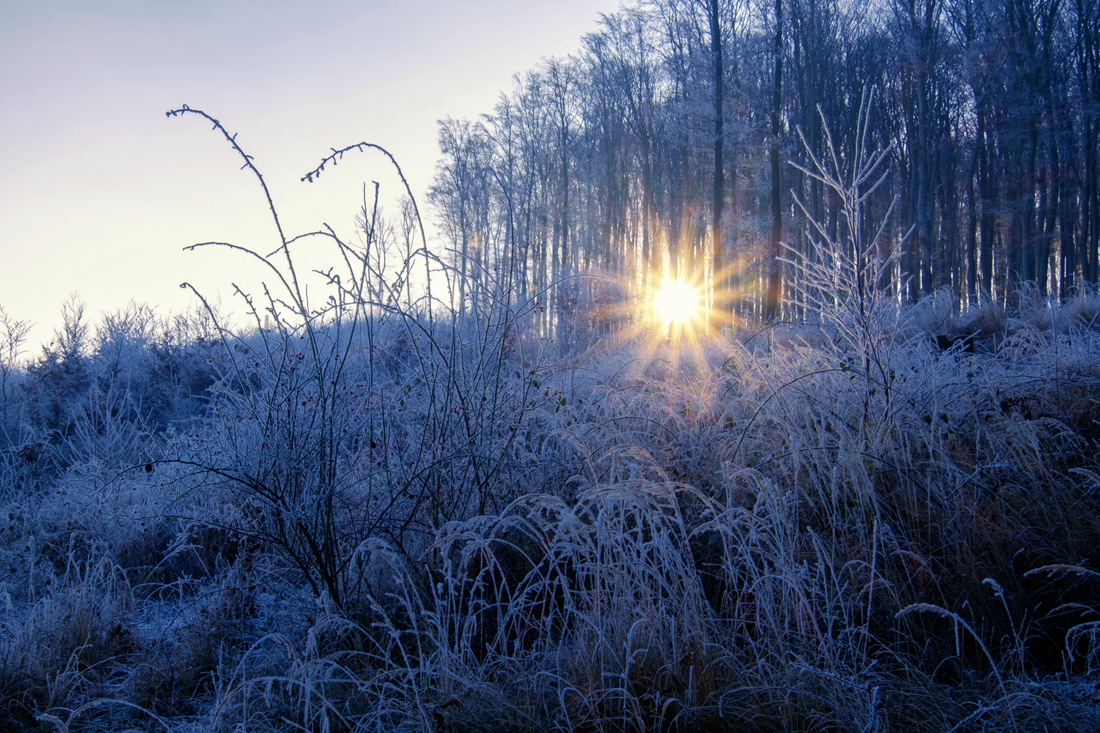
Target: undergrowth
380, 513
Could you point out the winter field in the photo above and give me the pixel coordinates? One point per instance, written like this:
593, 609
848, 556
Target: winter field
374, 517
388, 512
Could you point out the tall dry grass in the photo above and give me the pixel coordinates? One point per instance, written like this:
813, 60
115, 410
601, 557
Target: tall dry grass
394, 517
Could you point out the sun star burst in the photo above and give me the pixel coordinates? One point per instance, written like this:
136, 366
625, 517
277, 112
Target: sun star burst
676, 302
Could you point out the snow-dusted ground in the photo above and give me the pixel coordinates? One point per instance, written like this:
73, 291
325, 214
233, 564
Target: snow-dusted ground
779, 528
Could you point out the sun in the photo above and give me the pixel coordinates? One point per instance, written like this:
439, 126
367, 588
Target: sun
676, 303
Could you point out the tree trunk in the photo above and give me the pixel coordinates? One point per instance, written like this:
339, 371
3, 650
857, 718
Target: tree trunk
988, 189
719, 178
972, 231
775, 270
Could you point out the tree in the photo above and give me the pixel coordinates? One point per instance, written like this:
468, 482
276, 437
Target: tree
719, 198
774, 269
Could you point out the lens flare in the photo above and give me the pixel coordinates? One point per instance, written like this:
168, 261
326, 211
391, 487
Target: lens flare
676, 303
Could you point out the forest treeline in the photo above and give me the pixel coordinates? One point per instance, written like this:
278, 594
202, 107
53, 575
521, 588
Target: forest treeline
677, 119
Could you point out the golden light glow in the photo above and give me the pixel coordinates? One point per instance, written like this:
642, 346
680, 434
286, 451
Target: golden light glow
676, 302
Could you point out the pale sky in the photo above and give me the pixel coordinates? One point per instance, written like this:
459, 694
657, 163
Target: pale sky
99, 191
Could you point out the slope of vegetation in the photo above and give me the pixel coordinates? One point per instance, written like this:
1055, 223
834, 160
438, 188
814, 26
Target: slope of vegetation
389, 514
750, 533
484, 490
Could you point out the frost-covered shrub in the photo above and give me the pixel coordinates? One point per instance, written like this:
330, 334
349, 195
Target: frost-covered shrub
370, 415
100, 396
